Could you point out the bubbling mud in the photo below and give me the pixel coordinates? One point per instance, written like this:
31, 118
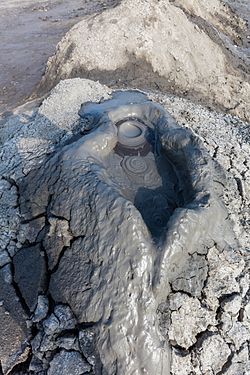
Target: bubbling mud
129, 129
132, 137
152, 181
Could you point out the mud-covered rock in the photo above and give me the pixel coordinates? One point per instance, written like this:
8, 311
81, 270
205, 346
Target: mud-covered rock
193, 275
14, 333
57, 238
30, 273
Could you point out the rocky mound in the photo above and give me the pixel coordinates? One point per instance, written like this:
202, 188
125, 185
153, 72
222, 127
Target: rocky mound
192, 48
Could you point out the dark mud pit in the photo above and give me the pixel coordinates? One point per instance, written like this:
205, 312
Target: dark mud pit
29, 32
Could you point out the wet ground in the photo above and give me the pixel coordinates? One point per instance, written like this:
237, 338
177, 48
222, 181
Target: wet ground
29, 33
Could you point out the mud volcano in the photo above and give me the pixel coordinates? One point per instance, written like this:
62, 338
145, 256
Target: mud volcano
116, 211
137, 166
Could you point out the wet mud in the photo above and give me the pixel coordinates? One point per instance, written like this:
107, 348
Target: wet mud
115, 212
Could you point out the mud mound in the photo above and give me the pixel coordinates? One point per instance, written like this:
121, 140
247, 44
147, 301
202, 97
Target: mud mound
191, 48
25, 48
86, 280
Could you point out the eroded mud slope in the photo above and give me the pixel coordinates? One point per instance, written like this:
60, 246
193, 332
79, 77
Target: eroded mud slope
29, 32
195, 49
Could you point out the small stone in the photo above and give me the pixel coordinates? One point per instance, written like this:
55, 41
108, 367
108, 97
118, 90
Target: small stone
30, 270
4, 258
68, 362
48, 344
7, 274
65, 317
227, 321
12, 248
68, 342
42, 309
213, 354
51, 325
62, 319
36, 365
188, 320
232, 305
36, 342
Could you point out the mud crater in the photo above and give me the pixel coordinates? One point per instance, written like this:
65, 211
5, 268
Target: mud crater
144, 174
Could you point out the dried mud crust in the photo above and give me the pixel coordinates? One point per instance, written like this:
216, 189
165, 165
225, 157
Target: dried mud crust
215, 315
209, 297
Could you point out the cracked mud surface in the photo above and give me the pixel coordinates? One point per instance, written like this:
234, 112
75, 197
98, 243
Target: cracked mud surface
203, 314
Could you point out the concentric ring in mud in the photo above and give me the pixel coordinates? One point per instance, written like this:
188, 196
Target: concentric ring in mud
132, 137
141, 170
135, 165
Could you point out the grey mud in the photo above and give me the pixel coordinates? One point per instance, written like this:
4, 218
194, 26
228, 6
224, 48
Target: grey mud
116, 211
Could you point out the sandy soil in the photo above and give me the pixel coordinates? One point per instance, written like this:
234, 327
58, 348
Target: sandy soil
29, 32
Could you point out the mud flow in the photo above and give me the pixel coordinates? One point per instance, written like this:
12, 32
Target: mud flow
117, 210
